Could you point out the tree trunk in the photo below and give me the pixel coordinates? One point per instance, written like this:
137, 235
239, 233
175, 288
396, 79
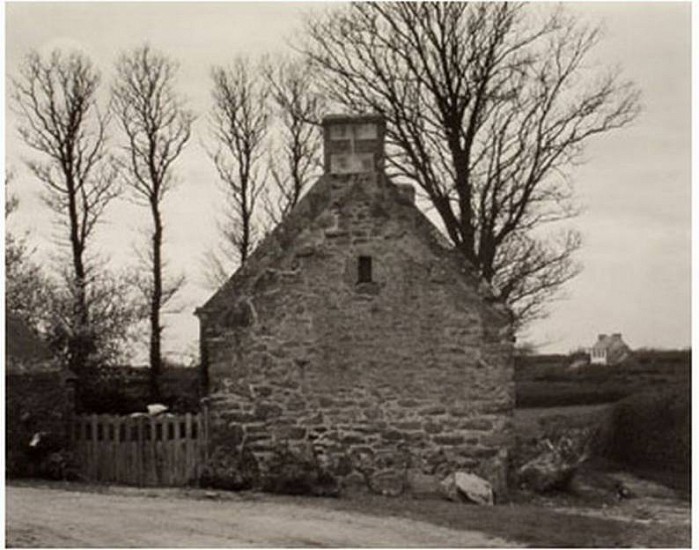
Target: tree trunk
79, 343
156, 299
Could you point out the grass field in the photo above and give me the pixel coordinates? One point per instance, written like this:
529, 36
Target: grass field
549, 381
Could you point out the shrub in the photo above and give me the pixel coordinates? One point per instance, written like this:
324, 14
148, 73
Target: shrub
649, 430
47, 459
230, 470
287, 471
298, 472
60, 465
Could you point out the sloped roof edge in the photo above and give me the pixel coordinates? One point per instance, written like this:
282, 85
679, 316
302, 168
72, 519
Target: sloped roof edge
315, 202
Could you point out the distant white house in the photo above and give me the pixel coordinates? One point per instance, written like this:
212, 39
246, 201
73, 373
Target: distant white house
609, 350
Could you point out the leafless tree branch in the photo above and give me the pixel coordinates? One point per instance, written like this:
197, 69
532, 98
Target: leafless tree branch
156, 126
488, 105
294, 160
55, 99
239, 123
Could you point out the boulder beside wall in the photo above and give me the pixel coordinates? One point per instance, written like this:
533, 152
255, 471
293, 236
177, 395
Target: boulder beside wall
467, 487
548, 472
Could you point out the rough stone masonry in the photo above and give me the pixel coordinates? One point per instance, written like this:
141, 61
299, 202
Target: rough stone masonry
357, 329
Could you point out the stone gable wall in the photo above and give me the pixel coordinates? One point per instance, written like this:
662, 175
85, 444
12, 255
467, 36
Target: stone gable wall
410, 371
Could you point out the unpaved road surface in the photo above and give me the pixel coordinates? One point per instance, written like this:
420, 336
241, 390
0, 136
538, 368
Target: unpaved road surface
49, 517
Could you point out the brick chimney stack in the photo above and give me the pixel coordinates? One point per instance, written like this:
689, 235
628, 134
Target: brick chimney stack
353, 144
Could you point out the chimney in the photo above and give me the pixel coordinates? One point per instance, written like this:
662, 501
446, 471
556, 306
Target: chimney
353, 144
616, 336
601, 337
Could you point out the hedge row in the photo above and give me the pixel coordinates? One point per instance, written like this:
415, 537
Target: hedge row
126, 390
651, 430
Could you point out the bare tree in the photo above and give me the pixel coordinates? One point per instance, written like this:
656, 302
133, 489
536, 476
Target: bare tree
295, 160
488, 105
239, 123
157, 126
46, 303
55, 98
116, 309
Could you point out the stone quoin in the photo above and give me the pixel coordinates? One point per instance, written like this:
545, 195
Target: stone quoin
356, 328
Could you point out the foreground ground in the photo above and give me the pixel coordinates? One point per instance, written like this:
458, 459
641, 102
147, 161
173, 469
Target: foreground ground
77, 515
55, 517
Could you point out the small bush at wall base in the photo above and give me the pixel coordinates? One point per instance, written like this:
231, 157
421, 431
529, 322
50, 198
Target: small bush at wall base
230, 470
298, 473
60, 466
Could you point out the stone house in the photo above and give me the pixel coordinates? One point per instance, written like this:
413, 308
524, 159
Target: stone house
357, 329
609, 350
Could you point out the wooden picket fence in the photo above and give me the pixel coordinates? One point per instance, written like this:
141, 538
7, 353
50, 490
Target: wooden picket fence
163, 450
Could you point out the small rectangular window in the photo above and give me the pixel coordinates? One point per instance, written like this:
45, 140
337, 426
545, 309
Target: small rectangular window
364, 269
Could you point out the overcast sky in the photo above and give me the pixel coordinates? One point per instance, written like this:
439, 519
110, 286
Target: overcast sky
634, 187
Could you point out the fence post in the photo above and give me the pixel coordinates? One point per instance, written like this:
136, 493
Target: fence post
115, 422
190, 442
139, 450
93, 448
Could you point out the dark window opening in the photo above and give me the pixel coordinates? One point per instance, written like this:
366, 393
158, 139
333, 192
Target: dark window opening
364, 269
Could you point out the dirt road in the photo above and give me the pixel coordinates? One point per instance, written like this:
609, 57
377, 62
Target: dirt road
50, 517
